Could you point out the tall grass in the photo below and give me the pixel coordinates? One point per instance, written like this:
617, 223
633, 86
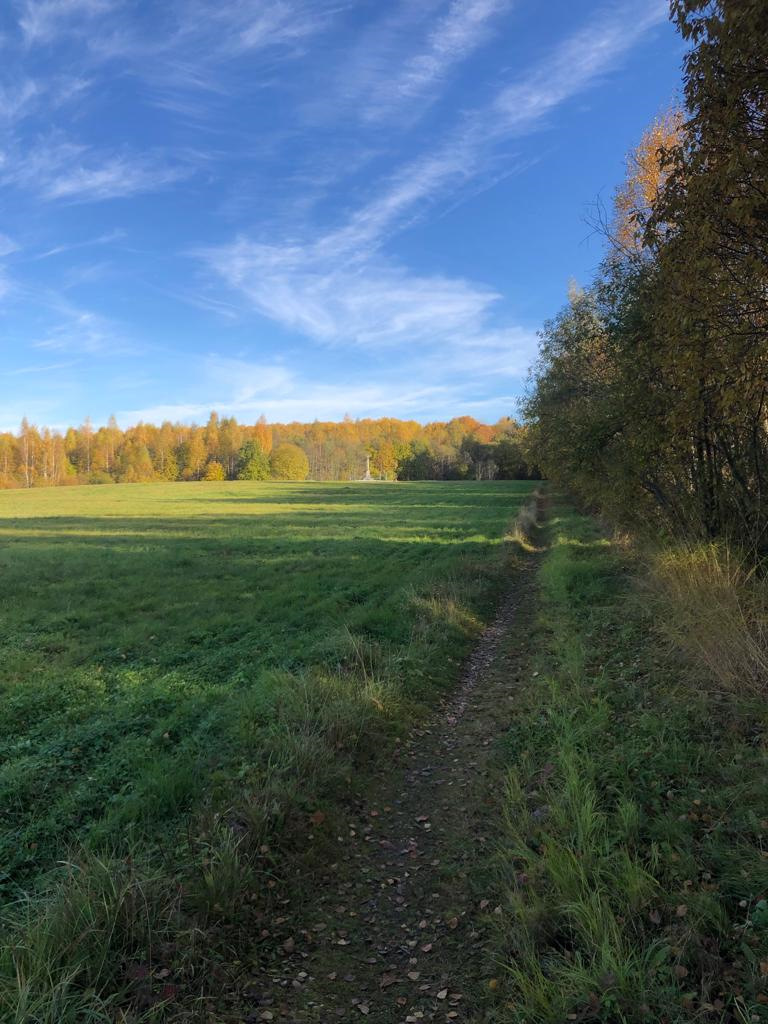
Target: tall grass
715, 610
58, 964
634, 859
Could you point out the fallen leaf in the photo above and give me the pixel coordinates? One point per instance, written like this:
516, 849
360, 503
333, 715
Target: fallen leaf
387, 979
363, 1008
289, 945
414, 975
682, 910
443, 993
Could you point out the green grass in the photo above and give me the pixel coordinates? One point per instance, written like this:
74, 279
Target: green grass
636, 850
187, 672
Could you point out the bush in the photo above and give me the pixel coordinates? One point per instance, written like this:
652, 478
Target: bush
252, 462
289, 462
214, 471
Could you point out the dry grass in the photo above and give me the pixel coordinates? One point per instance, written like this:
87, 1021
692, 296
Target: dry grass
525, 527
716, 612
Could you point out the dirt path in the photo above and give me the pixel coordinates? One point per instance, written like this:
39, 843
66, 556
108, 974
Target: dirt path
397, 930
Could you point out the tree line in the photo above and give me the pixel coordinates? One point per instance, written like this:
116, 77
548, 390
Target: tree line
649, 396
224, 449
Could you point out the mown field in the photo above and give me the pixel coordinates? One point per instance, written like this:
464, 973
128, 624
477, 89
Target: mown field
163, 645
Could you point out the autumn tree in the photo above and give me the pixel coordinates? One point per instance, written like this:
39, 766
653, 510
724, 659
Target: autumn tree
262, 435
288, 462
650, 394
646, 176
252, 462
192, 455
214, 471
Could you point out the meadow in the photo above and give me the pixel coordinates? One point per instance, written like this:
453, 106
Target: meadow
165, 646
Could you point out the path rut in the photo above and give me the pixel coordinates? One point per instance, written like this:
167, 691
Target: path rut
397, 928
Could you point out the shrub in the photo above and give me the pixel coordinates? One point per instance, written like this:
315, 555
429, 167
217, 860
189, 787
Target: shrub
214, 471
289, 462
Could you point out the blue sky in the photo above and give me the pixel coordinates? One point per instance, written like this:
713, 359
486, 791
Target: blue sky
303, 208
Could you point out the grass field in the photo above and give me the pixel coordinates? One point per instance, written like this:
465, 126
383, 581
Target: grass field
163, 642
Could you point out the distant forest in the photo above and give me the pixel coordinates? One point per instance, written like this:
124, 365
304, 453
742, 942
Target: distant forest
224, 449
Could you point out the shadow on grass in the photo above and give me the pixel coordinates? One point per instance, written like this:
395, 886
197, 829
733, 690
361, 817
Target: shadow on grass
131, 645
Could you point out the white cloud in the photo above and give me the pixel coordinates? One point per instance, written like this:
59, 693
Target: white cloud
80, 331
400, 66
22, 371
191, 37
57, 250
295, 397
17, 100
42, 21
574, 65
365, 303
68, 171
116, 177
7, 245
339, 289
515, 110
254, 26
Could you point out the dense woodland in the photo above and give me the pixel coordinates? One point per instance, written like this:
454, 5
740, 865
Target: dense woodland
649, 399
224, 449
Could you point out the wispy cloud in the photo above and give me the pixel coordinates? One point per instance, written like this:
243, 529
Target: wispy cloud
285, 395
194, 36
68, 171
42, 21
23, 371
339, 288
18, 99
57, 250
368, 304
402, 63
82, 332
515, 110
7, 245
